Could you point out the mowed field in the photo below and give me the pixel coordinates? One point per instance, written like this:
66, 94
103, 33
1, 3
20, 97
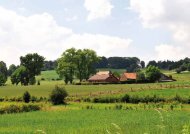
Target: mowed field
85, 118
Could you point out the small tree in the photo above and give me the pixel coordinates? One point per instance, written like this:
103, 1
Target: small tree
58, 95
153, 73
140, 76
26, 97
3, 73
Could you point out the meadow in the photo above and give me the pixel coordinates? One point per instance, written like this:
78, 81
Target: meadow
83, 121
82, 117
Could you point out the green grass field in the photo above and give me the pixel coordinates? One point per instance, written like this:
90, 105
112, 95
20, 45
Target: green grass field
95, 121
76, 118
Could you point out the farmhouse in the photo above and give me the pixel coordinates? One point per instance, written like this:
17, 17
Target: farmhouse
103, 77
128, 76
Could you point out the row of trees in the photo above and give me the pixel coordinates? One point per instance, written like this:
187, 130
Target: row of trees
131, 64
181, 65
77, 64
30, 66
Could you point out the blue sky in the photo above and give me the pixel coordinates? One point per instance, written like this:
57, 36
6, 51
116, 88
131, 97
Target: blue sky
111, 27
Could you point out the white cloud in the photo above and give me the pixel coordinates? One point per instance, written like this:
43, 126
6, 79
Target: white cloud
40, 33
98, 9
170, 15
103, 44
165, 52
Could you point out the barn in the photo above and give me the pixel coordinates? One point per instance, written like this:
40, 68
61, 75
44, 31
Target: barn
103, 77
128, 77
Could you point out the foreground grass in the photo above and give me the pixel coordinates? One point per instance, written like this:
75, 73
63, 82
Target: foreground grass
95, 121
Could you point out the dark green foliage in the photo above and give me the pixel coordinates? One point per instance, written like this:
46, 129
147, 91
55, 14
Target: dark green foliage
170, 65
38, 83
77, 63
106, 100
58, 95
188, 66
34, 99
11, 69
20, 75
33, 63
152, 63
49, 65
141, 76
153, 73
32, 81
183, 67
142, 64
3, 73
125, 98
26, 97
102, 63
129, 63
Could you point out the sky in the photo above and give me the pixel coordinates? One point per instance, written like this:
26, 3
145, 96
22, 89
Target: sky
149, 30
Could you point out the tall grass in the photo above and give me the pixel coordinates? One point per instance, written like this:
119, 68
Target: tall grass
93, 121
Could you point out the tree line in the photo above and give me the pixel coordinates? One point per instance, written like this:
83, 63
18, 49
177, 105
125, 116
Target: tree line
30, 66
181, 65
80, 64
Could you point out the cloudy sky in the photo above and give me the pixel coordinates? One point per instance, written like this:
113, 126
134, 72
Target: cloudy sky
158, 29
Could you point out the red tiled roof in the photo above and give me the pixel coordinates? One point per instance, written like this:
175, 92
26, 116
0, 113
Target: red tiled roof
132, 76
99, 77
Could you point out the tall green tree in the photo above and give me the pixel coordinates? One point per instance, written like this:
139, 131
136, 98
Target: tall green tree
33, 63
3, 73
85, 61
66, 67
153, 73
20, 75
79, 63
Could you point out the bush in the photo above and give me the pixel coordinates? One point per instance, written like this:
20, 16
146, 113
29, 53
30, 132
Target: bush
58, 95
15, 108
26, 97
125, 98
38, 83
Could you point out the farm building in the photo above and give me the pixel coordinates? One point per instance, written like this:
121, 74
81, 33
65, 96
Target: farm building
103, 77
128, 76
165, 78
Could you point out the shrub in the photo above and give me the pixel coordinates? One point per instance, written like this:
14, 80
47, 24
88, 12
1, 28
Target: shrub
26, 97
125, 98
15, 108
33, 98
38, 83
58, 95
